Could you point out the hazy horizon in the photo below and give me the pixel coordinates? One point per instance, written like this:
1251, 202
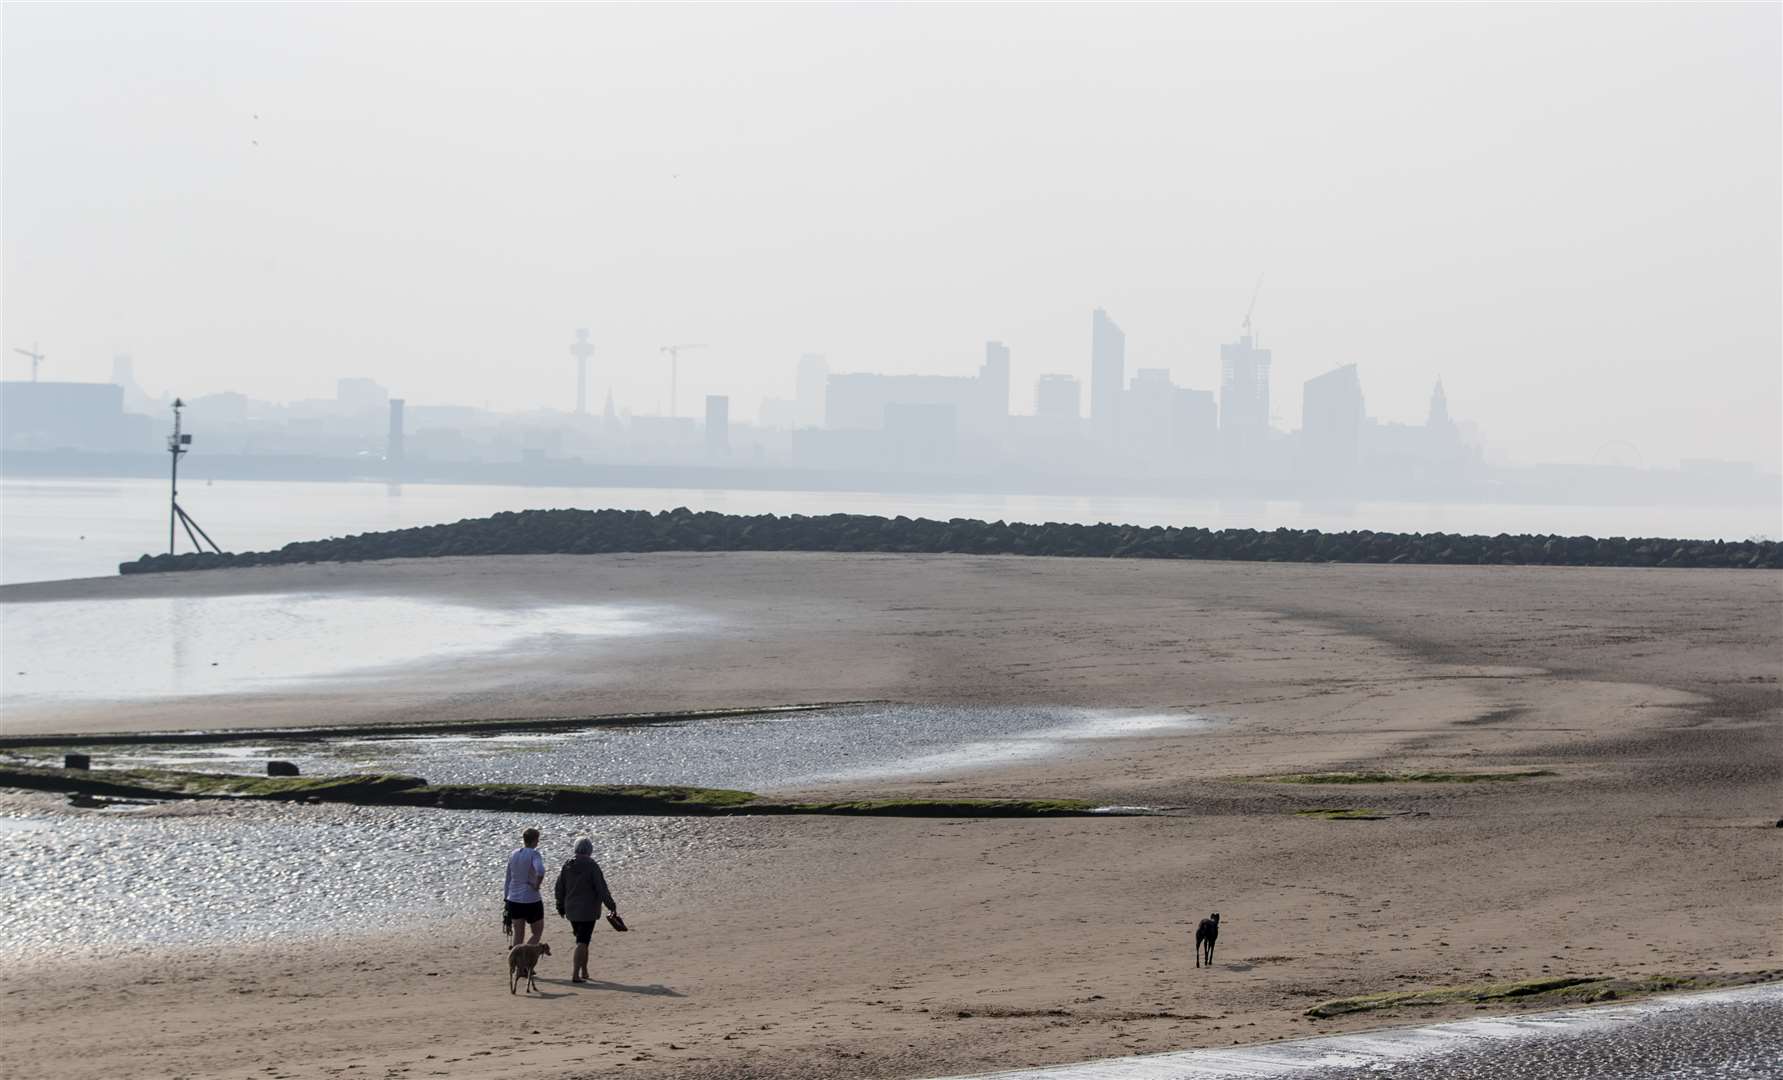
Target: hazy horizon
268, 198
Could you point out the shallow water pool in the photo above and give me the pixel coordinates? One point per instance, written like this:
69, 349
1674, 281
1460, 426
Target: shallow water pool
760, 752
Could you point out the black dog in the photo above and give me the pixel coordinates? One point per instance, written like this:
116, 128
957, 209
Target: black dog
1206, 934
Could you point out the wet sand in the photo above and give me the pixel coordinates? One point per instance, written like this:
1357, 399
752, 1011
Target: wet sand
847, 947
1717, 1035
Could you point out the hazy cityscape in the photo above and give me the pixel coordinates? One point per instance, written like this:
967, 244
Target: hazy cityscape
891, 540
1106, 427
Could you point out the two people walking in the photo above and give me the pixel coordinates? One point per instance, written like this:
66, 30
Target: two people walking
580, 892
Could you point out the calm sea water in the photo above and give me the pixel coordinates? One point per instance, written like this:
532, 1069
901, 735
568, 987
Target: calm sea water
55, 529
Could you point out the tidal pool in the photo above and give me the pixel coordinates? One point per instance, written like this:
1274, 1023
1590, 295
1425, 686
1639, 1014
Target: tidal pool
760, 752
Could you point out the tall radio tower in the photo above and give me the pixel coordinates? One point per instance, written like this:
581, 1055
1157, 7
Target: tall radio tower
581, 350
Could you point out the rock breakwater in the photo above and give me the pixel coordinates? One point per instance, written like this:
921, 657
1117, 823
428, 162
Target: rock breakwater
590, 532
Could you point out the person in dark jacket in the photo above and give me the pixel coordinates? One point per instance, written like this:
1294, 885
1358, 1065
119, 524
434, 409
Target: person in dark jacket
581, 889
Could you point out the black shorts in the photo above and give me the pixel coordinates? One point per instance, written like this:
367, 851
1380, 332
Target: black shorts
584, 930
521, 911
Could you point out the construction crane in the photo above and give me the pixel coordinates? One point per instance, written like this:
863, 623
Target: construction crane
1253, 307
674, 352
36, 358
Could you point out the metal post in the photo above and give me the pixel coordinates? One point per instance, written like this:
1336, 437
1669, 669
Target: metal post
176, 445
173, 498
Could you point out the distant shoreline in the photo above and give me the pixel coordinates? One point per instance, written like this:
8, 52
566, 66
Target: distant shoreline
1554, 485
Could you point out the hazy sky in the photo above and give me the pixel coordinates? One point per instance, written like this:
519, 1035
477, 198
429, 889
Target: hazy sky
1570, 214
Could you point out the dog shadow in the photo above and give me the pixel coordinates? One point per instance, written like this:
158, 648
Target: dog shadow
653, 990
1238, 967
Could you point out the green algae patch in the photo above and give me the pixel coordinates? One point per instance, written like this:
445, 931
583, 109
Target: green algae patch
373, 789
1401, 777
687, 801
940, 808
173, 784
1448, 995
353, 787
1346, 813
591, 799
1549, 992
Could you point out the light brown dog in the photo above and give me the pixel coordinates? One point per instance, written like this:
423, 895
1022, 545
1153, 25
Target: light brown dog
523, 963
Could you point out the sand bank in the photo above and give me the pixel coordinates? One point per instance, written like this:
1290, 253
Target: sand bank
874, 948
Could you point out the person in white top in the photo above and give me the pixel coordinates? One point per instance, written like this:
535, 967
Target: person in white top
520, 891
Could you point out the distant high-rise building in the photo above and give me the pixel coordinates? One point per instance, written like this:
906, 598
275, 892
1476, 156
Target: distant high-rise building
1244, 402
1146, 415
858, 402
123, 373
1108, 376
994, 378
1170, 428
921, 435
1195, 430
1331, 425
66, 415
1427, 457
978, 404
814, 375
1058, 397
393, 448
718, 425
1442, 436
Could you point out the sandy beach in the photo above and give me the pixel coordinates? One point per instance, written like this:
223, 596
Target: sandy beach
872, 947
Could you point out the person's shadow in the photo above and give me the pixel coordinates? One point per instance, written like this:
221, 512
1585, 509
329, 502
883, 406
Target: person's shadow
653, 990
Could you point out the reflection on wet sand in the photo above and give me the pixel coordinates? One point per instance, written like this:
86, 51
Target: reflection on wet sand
244, 872
252, 872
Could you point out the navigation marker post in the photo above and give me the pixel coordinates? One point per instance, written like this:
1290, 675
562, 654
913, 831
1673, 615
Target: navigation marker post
176, 445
